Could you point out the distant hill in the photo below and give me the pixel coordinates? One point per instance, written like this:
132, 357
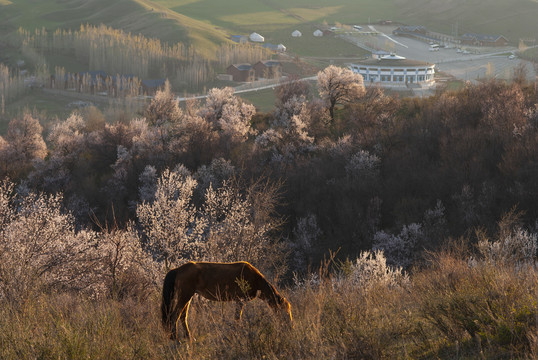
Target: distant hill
136, 16
513, 19
208, 23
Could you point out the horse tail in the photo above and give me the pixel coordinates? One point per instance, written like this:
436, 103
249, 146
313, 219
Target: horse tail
168, 295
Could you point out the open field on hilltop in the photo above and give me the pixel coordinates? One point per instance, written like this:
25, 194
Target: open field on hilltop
514, 19
205, 23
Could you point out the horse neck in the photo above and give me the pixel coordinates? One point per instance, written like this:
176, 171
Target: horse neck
268, 292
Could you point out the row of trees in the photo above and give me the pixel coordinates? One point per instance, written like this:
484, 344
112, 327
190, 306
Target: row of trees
398, 175
11, 86
116, 52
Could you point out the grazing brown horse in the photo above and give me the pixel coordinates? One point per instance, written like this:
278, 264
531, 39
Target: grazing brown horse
238, 281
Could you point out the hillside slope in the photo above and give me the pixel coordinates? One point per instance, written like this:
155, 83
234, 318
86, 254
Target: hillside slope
514, 19
136, 16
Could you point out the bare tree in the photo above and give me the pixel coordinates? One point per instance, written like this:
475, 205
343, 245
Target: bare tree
339, 86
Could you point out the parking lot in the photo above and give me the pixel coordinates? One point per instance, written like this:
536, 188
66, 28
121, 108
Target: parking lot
475, 64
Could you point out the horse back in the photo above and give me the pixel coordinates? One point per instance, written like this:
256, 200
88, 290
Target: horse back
226, 281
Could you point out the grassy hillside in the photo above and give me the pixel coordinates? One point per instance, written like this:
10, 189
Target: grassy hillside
208, 22
513, 19
136, 16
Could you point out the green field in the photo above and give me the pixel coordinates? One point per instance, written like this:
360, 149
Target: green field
206, 23
514, 19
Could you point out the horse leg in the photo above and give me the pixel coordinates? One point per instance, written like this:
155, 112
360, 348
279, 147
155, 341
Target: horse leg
185, 302
239, 310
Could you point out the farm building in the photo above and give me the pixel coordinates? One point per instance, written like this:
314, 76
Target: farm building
393, 70
241, 72
241, 39
483, 40
296, 33
318, 33
255, 37
267, 69
410, 30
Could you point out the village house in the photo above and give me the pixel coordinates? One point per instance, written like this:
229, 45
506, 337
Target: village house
240, 39
483, 40
150, 86
241, 72
274, 47
267, 69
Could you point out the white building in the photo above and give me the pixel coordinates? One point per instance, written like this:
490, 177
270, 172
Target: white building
255, 37
318, 33
394, 70
296, 33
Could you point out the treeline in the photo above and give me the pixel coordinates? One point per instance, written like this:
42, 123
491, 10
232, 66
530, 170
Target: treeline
401, 175
117, 52
11, 86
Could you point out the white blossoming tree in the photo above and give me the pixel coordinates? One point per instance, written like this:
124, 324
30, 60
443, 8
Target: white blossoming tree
39, 246
172, 229
339, 86
228, 114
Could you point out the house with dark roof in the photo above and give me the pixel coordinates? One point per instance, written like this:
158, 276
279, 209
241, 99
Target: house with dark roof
241, 72
267, 69
241, 39
150, 86
483, 40
273, 47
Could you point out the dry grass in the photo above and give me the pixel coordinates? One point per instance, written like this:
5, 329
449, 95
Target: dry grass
449, 310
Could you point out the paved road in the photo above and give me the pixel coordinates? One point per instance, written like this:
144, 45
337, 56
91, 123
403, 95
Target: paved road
263, 87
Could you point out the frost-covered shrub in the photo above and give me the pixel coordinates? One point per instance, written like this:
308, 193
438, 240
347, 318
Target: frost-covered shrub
171, 227
240, 224
363, 165
125, 268
517, 247
231, 224
342, 147
305, 234
288, 139
215, 174
400, 249
228, 114
39, 246
148, 184
371, 269
435, 224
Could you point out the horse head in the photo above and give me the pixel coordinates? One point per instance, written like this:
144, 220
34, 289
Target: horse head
280, 305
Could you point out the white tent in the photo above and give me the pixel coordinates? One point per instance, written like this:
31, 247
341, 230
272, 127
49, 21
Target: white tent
256, 37
318, 33
281, 47
296, 33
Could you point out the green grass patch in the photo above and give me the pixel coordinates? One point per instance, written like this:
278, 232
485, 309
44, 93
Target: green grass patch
263, 100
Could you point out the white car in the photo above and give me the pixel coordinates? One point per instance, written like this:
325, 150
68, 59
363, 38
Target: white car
512, 57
